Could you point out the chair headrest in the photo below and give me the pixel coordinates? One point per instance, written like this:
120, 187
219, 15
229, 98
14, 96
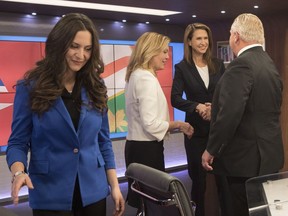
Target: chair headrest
149, 176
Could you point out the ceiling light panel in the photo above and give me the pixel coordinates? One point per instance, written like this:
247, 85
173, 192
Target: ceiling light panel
96, 6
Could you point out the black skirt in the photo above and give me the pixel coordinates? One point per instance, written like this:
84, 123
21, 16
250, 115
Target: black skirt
149, 153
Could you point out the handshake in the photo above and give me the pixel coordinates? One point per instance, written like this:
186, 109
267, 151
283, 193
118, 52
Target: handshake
204, 110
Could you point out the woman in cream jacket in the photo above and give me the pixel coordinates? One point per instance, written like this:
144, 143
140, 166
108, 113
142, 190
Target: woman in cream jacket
146, 106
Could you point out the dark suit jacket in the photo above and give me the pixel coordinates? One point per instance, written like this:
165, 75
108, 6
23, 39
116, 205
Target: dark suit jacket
245, 134
188, 80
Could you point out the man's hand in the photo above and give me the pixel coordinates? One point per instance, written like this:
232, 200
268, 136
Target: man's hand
207, 160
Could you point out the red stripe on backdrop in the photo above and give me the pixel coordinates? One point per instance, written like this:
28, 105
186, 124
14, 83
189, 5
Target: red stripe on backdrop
115, 66
17, 58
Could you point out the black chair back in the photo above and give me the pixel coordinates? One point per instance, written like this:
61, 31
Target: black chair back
161, 193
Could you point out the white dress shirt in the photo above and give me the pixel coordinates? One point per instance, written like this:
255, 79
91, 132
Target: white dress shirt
146, 107
247, 47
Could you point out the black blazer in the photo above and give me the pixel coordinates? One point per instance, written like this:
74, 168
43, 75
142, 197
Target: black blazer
245, 133
187, 79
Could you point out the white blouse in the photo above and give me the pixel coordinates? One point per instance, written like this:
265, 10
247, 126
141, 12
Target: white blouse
204, 73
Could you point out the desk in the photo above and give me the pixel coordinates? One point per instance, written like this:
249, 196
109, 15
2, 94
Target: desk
276, 194
268, 195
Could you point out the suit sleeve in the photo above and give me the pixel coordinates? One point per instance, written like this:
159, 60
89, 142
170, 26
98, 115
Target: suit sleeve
228, 106
19, 140
178, 87
146, 94
105, 143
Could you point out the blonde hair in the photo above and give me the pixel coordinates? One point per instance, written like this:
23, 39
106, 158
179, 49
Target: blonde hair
249, 27
147, 46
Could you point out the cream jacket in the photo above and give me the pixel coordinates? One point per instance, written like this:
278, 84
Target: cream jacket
146, 107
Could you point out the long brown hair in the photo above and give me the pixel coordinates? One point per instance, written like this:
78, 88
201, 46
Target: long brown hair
188, 54
47, 77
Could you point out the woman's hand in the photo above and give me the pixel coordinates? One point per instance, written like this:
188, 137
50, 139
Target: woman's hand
186, 128
204, 110
118, 201
17, 183
115, 192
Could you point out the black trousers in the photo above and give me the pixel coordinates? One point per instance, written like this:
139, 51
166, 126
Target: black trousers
98, 208
238, 194
194, 149
149, 153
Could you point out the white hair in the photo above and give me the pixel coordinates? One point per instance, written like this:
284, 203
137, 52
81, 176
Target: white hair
249, 27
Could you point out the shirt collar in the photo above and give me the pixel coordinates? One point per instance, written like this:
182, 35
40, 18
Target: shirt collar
248, 47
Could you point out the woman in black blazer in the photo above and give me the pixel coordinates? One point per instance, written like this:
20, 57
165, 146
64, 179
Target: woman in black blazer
196, 76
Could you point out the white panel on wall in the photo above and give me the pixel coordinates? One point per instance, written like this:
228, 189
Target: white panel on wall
107, 54
122, 55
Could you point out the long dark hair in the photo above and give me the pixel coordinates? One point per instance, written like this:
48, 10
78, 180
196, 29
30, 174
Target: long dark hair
47, 77
188, 54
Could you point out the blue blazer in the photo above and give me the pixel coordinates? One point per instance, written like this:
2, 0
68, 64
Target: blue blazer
58, 153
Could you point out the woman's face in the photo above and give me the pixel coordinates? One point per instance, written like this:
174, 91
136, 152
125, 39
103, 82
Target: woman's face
158, 62
79, 51
199, 42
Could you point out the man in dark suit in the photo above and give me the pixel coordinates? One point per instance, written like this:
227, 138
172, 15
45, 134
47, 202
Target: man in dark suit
245, 136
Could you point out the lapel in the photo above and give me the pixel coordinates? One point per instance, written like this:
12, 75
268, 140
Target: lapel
83, 111
194, 72
213, 79
61, 109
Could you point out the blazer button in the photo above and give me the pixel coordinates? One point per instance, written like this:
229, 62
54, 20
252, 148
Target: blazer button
75, 150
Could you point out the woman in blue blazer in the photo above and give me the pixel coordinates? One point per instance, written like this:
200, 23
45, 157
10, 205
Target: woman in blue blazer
60, 116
